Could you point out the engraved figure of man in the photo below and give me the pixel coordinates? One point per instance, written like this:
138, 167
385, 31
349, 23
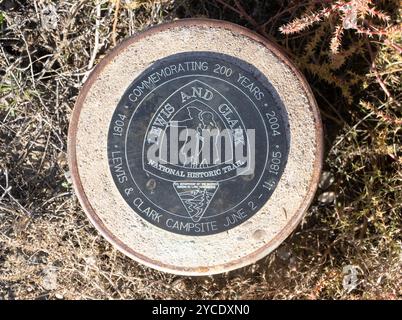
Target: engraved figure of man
194, 124
208, 123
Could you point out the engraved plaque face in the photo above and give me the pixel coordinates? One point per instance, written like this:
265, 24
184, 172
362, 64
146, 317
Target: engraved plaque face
199, 155
198, 143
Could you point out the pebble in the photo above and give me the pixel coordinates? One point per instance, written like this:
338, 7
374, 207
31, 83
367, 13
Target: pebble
327, 197
327, 179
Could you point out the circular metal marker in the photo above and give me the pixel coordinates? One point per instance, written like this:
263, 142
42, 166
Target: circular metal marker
234, 118
195, 147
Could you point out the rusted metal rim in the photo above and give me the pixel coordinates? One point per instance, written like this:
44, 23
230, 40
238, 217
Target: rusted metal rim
262, 251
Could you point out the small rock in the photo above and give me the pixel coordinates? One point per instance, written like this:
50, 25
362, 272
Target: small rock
351, 277
327, 197
283, 253
327, 179
62, 160
179, 284
49, 281
67, 175
350, 20
90, 261
49, 17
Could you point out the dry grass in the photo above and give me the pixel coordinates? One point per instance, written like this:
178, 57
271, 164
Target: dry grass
48, 249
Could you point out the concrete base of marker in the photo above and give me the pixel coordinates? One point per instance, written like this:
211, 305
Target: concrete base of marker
123, 226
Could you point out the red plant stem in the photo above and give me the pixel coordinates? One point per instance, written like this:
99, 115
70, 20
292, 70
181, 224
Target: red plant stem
242, 12
245, 14
222, 2
378, 76
393, 45
293, 8
382, 115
